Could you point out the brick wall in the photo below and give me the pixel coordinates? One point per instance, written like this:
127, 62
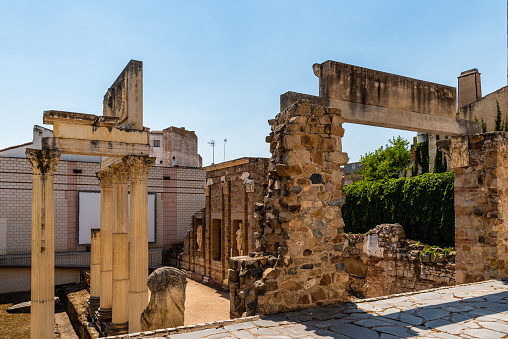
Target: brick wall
177, 199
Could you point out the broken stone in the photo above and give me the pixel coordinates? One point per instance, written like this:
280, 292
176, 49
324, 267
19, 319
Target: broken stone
167, 300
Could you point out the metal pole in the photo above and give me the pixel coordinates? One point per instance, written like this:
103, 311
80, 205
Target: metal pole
225, 140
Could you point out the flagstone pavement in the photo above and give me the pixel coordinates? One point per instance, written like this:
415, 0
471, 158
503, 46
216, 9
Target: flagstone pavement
478, 310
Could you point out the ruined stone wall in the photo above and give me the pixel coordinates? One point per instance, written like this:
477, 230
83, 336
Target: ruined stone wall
227, 226
480, 163
301, 219
384, 262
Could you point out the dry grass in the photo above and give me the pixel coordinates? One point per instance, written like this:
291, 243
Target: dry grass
14, 325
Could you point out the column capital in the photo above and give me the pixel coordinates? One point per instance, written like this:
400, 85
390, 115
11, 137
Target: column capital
138, 165
225, 188
120, 173
105, 177
43, 162
249, 187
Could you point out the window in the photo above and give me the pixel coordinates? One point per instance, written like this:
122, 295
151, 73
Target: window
156, 143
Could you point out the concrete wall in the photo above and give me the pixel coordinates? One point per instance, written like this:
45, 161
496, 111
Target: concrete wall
180, 148
486, 108
366, 86
157, 151
179, 194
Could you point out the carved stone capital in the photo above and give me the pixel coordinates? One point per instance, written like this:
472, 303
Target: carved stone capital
249, 187
43, 162
225, 188
120, 173
139, 166
456, 151
105, 177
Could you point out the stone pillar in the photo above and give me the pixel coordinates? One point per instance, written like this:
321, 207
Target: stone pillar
120, 310
138, 254
95, 272
106, 256
207, 227
226, 231
480, 163
43, 244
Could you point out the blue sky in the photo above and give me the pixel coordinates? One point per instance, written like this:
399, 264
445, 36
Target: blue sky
218, 67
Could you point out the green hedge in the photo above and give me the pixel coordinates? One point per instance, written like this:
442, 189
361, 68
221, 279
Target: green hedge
423, 205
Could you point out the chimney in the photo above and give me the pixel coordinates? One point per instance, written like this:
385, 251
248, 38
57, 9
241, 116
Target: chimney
470, 87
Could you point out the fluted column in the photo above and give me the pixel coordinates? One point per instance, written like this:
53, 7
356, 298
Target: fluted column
138, 254
95, 271
106, 260
43, 244
120, 311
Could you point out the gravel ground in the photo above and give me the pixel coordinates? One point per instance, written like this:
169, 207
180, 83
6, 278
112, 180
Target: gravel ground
204, 304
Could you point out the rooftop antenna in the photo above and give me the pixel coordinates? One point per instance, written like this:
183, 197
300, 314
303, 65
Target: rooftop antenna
225, 140
212, 143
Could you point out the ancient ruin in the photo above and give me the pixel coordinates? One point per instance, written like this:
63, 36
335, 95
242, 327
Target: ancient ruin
167, 300
119, 136
227, 226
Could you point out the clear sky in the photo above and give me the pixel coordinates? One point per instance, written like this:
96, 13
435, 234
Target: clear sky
218, 67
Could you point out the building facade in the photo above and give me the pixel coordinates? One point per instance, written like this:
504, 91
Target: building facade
227, 226
177, 194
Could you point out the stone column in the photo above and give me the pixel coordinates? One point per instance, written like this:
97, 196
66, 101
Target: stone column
207, 227
43, 243
95, 272
106, 256
120, 236
226, 230
138, 254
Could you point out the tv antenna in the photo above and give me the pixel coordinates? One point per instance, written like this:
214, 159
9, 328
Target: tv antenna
225, 141
212, 143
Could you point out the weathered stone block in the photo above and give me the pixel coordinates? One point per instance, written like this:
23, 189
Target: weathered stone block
167, 300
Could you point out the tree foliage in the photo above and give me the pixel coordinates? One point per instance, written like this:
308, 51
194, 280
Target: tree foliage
498, 118
385, 161
423, 205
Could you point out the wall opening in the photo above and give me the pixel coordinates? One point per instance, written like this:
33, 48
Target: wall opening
216, 239
237, 238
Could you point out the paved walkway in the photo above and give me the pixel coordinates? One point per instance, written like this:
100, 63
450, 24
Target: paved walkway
477, 310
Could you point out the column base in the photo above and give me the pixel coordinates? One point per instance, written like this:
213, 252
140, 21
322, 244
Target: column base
116, 329
92, 304
102, 318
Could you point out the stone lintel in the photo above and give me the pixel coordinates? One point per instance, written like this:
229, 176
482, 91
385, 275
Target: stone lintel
95, 147
50, 117
370, 87
364, 114
93, 132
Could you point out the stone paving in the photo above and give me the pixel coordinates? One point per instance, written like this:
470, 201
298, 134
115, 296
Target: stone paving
478, 310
